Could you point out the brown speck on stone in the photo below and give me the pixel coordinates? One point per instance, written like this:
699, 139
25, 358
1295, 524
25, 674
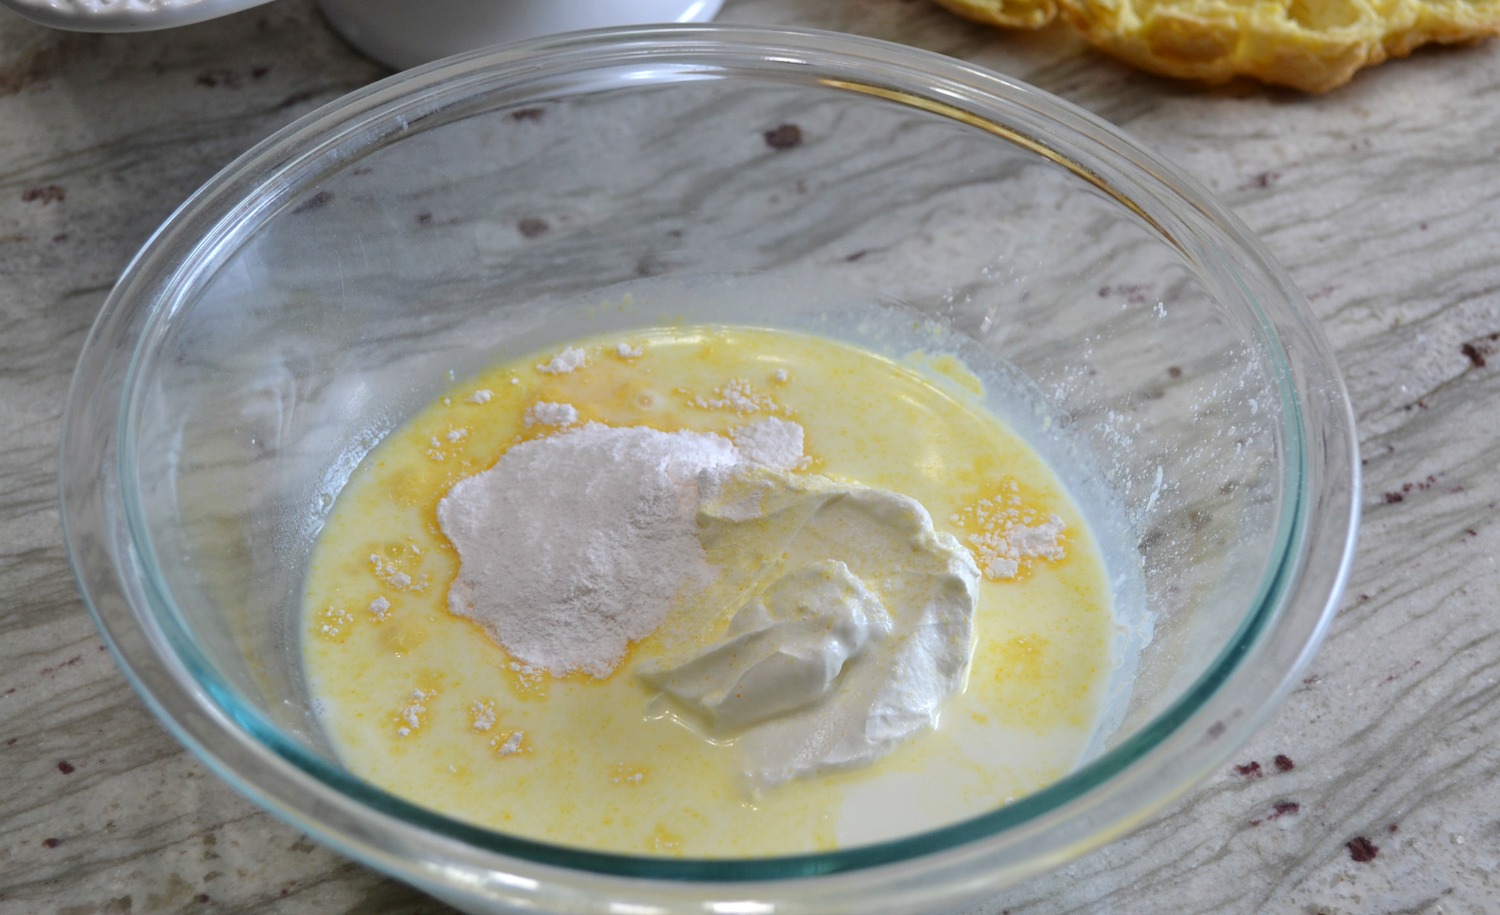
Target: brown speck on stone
65, 767
1216, 729
1174, 371
1420, 485
1362, 849
201, 898
785, 136
1391, 498
35, 71
650, 265
1281, 809
71, 661
1262, 180
531, 227
1391, 678
52, 843
1132, 293
1284, 763
424, 219
528, 114
219, 76
1471, 532
297, 98
45, 194
1476, 354
1391, 828
316, 202
1250, 769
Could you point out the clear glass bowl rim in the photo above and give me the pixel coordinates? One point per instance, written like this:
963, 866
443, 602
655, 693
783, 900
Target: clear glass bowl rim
1100, 800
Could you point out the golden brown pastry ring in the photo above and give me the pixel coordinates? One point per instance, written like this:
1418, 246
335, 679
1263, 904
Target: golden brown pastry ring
1313, 45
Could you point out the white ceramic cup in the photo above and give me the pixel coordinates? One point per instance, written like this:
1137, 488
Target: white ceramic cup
404, 33
398, 33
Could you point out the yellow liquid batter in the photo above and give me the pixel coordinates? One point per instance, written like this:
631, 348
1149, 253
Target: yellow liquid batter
423, 703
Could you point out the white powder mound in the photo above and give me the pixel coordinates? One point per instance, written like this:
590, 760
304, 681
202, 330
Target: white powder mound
564, 362
774, 443
545, 413
1039, 541
1003, 548
739, 396
573, 546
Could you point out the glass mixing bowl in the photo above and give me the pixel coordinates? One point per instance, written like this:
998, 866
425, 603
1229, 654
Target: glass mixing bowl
338, 276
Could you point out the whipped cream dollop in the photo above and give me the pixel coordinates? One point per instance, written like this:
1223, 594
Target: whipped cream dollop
783, 651
854, 622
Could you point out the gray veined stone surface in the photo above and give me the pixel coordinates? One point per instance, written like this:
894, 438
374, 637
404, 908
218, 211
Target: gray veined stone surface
1381, 199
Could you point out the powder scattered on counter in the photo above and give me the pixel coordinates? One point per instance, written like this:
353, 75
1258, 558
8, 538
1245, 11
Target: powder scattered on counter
626, 351
564, 362
480, 396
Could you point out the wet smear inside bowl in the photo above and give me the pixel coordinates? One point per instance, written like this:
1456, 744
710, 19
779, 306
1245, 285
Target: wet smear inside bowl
844, 604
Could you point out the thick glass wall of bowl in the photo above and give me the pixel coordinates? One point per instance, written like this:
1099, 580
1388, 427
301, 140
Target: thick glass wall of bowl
506, 230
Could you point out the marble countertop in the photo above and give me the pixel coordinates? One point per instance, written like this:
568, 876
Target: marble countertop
1376, 788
